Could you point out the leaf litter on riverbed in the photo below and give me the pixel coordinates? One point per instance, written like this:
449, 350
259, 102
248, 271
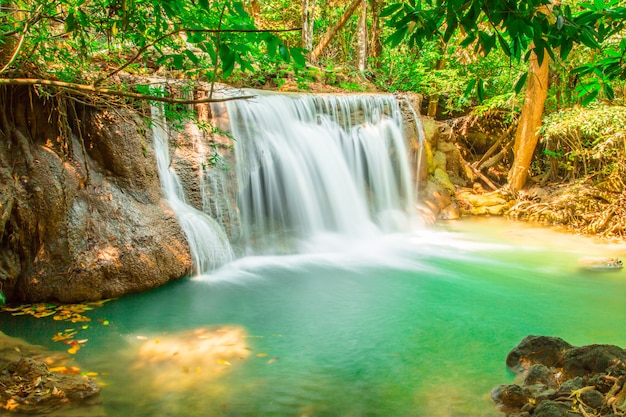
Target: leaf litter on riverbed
64, 312
73, 313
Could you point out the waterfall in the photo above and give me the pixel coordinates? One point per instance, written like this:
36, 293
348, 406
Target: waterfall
208, 242
316, 164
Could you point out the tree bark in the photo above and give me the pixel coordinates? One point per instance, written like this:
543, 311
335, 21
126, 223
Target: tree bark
7, 43
362, 38
433, 100
255, 9
527, 133
308, 19
331, 32
376, 45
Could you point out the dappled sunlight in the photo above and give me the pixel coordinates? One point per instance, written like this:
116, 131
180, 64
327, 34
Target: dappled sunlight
109, 254
186, 360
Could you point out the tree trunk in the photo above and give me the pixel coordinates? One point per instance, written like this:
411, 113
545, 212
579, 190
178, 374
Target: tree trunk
308, 19
331, 32
255, 9
362, 38
527, 133
376, 45
7, 43
433, 100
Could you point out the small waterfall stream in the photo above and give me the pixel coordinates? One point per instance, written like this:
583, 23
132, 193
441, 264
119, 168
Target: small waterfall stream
208, 243
307, 167
318, 164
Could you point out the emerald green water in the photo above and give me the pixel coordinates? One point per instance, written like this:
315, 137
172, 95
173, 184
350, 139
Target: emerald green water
408, 325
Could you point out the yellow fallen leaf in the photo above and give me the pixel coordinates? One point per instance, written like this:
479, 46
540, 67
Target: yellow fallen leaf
261, 355
224, 362
11, 405
73, 349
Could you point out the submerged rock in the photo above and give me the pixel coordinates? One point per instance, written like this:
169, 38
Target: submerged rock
601, 264
29, 386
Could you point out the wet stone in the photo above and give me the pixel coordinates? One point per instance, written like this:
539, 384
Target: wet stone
571, 385
532, 350
551, 409
509, 396
540, 374
592, 398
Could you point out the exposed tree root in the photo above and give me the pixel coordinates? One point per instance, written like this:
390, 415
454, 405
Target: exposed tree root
582, 207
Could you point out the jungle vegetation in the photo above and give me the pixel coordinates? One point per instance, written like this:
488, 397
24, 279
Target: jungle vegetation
530, 63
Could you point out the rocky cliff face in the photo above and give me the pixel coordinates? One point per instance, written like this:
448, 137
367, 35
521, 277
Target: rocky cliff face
82, 214
83, 218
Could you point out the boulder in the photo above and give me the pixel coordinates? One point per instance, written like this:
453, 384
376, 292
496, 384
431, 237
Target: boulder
532, 350
510, 396
594, 359
540, 374
92, 226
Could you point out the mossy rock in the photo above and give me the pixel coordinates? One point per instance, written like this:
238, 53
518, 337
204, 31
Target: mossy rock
431, 130
441, 177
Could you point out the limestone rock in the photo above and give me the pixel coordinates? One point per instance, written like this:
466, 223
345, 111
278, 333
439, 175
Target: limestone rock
94, 226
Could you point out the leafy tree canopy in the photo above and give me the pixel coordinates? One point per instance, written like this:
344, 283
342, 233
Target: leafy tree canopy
518, 28
89, 41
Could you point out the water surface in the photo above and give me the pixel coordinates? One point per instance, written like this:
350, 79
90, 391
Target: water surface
415, 324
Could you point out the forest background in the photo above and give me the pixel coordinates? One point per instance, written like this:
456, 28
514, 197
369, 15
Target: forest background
543, 80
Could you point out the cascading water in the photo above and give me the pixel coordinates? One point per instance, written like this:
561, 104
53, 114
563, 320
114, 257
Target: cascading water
208, 243
311, 164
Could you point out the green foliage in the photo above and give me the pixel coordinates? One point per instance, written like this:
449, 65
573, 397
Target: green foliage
73, 40
516, 29
461, 80
584, 140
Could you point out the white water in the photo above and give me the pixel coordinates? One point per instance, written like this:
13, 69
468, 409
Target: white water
208, 243
310, 165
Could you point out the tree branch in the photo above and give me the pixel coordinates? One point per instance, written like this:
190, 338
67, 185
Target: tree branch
175, 31
83, 88
17, 50
21, 42
217, 50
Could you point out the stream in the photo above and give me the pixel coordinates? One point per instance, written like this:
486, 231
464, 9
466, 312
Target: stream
405, 324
